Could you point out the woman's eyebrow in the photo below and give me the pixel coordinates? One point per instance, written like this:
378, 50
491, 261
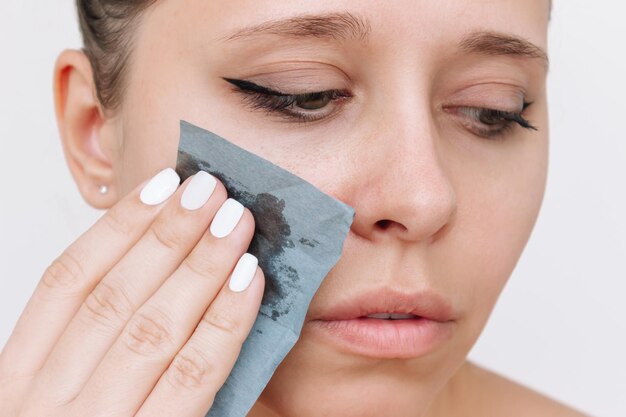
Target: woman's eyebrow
333, 26
503, 44
345, 26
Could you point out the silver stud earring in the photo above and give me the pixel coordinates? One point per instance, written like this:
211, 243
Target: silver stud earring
103, 189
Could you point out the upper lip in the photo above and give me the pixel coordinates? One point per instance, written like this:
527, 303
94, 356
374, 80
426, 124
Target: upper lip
426, 304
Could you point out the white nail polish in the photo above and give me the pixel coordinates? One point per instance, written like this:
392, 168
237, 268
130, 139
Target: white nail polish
160, 187
243, 273
198, 191
226, 218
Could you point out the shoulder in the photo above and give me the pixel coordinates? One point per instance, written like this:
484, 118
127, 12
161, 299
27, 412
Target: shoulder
493, 395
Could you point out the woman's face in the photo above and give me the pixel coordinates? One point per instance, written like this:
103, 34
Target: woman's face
446, 194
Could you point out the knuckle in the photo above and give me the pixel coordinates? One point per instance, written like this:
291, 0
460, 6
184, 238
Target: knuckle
190, 369
203, 265
222, 325
107, 304
148, 334
167, 235
118, 222
65, 272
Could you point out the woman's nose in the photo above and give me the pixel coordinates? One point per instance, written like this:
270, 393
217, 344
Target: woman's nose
403, 191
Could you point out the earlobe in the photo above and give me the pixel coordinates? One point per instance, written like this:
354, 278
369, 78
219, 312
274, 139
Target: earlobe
85, 133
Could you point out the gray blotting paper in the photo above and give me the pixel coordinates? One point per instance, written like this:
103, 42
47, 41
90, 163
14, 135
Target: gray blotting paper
299, 235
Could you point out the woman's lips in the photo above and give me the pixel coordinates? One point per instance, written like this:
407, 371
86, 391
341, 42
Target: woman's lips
347, 328
380, 338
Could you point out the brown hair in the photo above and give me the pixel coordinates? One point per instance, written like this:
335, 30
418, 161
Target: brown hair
107, 27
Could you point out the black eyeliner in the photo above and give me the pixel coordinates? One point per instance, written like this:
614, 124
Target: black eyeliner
277, 102
518, 118
522, 121
250, 86
513, 117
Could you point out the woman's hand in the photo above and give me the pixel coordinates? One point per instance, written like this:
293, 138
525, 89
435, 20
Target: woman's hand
136, 318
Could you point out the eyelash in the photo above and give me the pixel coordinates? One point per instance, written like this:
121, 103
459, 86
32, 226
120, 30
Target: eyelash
272, 101
502, 120
276, 102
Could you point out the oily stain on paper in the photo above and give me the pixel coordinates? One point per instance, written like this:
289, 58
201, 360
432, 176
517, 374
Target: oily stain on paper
271, 237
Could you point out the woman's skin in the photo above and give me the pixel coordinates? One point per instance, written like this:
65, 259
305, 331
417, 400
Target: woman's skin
445, 202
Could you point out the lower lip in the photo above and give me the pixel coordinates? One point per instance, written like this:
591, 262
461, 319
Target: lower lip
388, 339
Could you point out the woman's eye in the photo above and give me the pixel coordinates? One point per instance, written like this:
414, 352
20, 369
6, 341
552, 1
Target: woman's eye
313, 101
305, 107
490, 123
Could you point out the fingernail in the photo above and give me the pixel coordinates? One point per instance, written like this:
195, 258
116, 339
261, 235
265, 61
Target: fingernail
243, 273
226, 218
160, 187
198, 191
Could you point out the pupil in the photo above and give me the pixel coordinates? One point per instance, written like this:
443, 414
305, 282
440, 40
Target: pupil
489, 118
313, 102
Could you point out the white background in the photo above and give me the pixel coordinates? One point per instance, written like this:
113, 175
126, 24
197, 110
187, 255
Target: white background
559, 325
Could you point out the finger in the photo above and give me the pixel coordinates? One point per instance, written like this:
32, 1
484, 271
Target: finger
189, 385
163, 324
69, 278
105, 311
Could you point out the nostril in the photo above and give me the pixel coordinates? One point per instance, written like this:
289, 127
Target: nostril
384, 224
387, 224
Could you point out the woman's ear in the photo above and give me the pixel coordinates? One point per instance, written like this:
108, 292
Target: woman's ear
88, 138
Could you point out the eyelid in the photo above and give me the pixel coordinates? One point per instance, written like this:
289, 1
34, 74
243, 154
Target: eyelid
489, 131
493, 95
277, 102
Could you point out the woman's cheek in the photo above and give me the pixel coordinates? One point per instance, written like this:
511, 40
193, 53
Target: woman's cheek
499, 226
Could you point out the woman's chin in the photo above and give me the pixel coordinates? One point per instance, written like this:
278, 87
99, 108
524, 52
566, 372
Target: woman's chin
318, 379
352, 397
